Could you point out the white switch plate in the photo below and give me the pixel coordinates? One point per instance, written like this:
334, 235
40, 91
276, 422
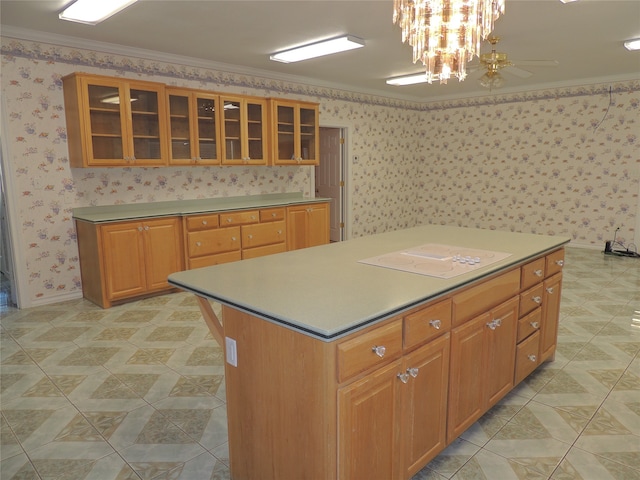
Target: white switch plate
232, 351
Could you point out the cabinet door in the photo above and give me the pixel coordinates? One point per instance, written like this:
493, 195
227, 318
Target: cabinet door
207, 129
105, 127
307, 226
123, 253
163, 251
368, 420
243, 130
466, 379
181, 130
550, 316
500, 351
424, 405
295, 133
145, 103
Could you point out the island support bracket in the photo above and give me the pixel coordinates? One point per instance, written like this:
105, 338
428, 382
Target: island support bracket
211, 319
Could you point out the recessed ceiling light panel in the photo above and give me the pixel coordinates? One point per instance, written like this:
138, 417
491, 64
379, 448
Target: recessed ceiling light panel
318, 49
408, 79
633, 44
93, 12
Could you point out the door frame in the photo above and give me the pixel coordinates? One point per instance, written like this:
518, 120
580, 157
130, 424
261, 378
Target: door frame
345, 168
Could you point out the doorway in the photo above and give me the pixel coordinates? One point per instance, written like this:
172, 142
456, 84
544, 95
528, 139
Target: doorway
329, 178
7, 289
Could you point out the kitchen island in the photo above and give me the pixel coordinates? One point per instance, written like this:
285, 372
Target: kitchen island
336, 368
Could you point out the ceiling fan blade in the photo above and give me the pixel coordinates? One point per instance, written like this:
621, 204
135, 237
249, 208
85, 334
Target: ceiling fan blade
518, 72
536, 63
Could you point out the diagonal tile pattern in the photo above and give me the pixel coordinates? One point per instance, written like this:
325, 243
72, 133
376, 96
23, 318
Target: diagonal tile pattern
137, 392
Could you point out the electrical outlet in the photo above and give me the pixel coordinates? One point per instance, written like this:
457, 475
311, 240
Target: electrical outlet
232, 351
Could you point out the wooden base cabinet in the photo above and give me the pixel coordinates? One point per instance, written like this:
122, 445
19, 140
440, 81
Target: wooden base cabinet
124, 260
307, 225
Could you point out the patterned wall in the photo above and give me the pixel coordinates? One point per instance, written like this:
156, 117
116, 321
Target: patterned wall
559, 162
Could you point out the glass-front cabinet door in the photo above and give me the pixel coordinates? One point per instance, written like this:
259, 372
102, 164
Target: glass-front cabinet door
193, 128
244, 130
124, 122
296, 133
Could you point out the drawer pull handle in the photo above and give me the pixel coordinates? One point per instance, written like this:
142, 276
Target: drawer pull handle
233, 239
435, 324
495, 323
560, 263
413, 372
537, 299
250, 237
204, 222
279, 232
537, 273
535, 325
550, 289
139, 229
274, 215
198, 244
253, 217
229, 220
379, 350
404, 377
532, 357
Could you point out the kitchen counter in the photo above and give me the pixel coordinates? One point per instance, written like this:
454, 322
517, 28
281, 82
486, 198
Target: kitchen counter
112, 213
326, 293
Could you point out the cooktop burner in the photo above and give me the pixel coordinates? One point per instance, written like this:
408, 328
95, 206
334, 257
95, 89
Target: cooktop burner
435, 260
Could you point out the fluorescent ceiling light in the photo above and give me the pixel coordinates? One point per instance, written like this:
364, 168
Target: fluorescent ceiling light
326, 47
93, 12
632, 44
408, 79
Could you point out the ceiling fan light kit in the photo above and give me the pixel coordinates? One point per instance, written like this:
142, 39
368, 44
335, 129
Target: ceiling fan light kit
445, 34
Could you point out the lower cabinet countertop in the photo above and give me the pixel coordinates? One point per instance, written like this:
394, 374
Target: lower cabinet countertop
324, 291
114, 213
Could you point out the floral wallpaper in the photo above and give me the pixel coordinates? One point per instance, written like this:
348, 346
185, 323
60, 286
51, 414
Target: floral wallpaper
562, 162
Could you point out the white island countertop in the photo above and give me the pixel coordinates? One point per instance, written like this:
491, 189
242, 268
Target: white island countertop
326, 292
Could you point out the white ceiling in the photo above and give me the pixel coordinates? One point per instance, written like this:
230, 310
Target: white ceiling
585, 37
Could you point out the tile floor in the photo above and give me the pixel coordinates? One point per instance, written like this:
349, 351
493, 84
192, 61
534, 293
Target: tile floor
137, 391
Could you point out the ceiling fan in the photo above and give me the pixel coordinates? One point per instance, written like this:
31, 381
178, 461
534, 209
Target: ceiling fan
492, 63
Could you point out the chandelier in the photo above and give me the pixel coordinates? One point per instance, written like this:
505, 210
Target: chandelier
446, 34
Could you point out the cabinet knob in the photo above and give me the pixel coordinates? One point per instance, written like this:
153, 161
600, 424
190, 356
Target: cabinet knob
435, 324
140, 229
198, 244
560, 263
379, 350
532, 357
253, 217
273, 215
250, 236
537, 299
535, 325
146, 227
495, 323
204, 222
550, 289
404, 377
233, 239
537, 273
413, 372
229, 220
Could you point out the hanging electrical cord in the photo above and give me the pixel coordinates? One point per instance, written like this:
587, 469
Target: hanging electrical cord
607, 111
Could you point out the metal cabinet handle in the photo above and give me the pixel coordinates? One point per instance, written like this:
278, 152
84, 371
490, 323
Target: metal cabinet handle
413, 372
537, 299
233, 239
537, 273
379, 350
404, 377
550, 289
229, 220
560, 263
139, 229
198, 244
535, 325
435, 324
204, 222
532, 357
279, 232
274, 215
495, 323
250, 236
146, 227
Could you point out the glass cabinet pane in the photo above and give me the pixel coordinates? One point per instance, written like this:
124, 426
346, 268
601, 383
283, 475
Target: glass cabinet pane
233, 146
254, 131
286, 132
106, 123
145, 120
180, 141
308, 134
206, 108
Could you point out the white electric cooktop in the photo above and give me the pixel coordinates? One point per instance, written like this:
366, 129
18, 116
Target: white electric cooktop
436, 260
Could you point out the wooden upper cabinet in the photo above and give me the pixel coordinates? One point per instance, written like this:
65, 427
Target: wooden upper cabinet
194, 127
115, 122
244, 130
295, 132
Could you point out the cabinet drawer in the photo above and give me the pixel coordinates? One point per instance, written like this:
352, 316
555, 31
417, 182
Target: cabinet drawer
529, 324
481, 298
555, 262
239, 218
209, 260
201, 222
272, 214
262, 251
372, 349
209, 242
263, 234
427, 323
527, 357
532, 273
530, 299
